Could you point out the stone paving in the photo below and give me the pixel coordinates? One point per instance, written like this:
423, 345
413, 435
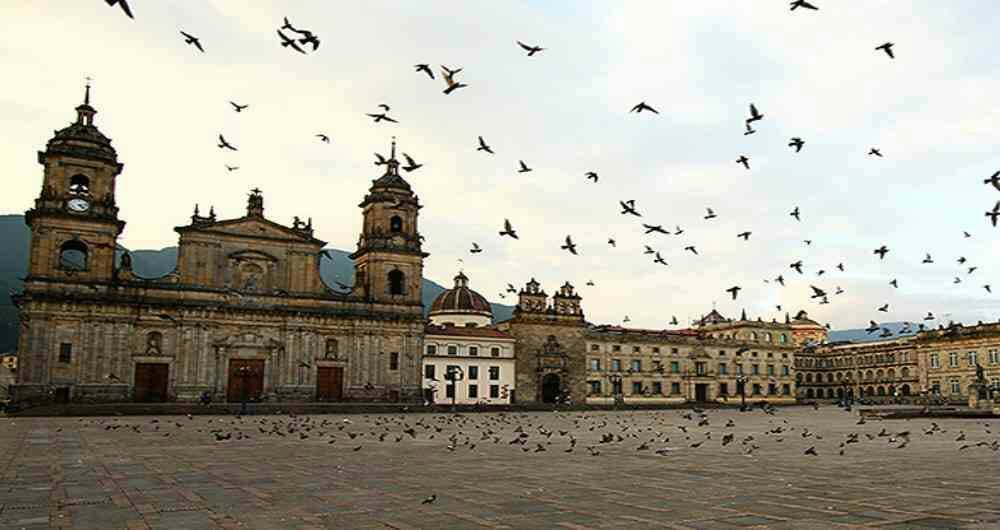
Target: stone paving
322, 472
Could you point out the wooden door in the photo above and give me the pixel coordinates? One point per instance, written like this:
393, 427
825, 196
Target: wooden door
329, 383
246, 380
151, 380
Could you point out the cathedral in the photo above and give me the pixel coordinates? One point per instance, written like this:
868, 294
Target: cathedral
244, 315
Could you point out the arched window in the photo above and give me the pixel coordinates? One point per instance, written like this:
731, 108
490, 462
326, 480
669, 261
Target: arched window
829, 378
767, 336
73, 256
783, 338
396, 224
79, 184
798, 377
809, 393
809, 378
753, 335
906, 372
396, 282
891, 373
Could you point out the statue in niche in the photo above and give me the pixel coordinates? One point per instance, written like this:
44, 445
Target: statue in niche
154, 343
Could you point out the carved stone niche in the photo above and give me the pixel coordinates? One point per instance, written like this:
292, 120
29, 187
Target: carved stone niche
552, 357
248, 344
252, 271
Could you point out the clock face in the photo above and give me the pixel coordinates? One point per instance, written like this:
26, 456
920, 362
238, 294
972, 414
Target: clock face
78, 205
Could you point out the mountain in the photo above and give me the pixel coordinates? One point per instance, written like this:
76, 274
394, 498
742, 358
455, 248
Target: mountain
15, 239
860, 335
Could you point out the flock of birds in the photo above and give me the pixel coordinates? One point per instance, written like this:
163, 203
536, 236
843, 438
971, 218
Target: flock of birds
302, 40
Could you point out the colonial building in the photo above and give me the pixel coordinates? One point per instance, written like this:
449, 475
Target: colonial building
461, 341
560, 355
939, 362
245, 313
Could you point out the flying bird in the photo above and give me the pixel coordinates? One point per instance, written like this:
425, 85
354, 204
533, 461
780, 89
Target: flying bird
692, 249
123, 4
797, 266
677, 230
611, 241
988, 289
894, 283
817, 292
994, 180
649, 250
795, 213
797, 143
750, 130
483, 146
994, 213
570, 246
628, 207
710, 214
475, 249
743, 160
530, 49
191, 39
309, 38
508, 230
754, 115
781, 280
430, 499
887, 48
324, 138
426, 68
524, 167
744, 235
927, 259
882, 251
449, 79
411, 165
231, 168
659, 259
656, 228
734, 290
641, 106
380, 117
803, 4
591, 175
840, 267
875, 152
223, 144
884, 308
286, 42
237, 107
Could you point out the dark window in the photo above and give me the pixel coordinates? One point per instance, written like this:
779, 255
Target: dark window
616, 387
675, 367
494, 373
429, 371
431, 349
616, 365
394, 361
656, 349
473, 350
396, 224
756, 389
452, 350
786, 389
495, 352
616, 348
79, 184
595, 347
675, 388
637, 387
595, 387
595, 365
473, 372
657, 387
73, 256
397, 282
772, 389
449, 390
723, 389
473, 391
65, 353
636, 349
636, 365
494, 391
673, 351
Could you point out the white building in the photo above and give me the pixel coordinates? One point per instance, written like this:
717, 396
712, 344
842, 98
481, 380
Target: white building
460, 339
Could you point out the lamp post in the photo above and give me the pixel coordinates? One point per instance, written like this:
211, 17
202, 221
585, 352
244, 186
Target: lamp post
453, 376
616, 381
741, 384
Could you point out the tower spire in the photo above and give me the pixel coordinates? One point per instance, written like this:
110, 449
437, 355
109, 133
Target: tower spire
392, 165
84, 112
86, 94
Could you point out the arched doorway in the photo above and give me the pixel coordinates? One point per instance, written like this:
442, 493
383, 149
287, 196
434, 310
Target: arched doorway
551, 388
905, 389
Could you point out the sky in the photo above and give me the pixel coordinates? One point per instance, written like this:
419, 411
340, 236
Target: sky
565, 111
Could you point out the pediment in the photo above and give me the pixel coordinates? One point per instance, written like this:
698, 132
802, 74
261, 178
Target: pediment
252, 227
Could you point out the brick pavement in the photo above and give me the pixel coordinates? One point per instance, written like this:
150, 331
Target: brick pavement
171, 473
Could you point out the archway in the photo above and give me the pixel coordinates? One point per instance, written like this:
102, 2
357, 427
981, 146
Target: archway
905, 390
551, 388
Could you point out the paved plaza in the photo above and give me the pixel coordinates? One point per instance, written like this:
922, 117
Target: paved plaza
633, 469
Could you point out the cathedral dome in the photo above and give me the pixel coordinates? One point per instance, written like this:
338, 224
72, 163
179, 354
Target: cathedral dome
459, 302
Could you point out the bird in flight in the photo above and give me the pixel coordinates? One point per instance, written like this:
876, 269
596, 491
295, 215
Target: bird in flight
966, 234
887, 48
797, 143
508, 230
673, 321
232, 168
411, 165
449, 79
710, 214
591, 175
744, 235
483, 146
530, 49
927, 259
988, 289
677, 230
286, 42
781, 280
961, 260
223, 144
884, 308
656, 228
191, 39
524, 167
882, 251
511, 289
659, 259
994, 213
570, 246
839, 290
875, 151
309, 38
237, 107
426, 68
894, 283
817, 292
123, 4
807, 242
797, 266
475, 248
754, 114
795, 213
840, 267
734, 290
430, 499
381, 116
803, 4
750, 130
692, 249
994, 180
641, 106
743, 160
380, 160
611, 241
649, 250
324, 138
628, 207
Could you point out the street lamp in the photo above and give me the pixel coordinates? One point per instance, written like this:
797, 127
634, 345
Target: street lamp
616, 381
453, 376
741, 384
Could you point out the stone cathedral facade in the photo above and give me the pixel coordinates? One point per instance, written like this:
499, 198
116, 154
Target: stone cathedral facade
244, 314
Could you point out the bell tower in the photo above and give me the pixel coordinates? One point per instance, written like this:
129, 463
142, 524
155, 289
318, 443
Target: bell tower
389, 261
74, 223
532, 299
